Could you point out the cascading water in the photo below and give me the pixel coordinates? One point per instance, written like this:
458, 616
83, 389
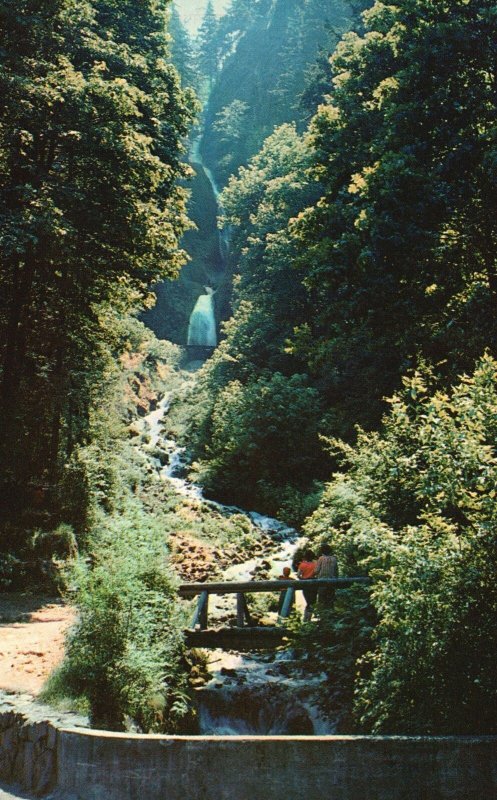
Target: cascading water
202, 326
223, 233
248, 693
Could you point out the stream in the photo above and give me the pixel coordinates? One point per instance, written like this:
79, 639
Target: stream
223, 233
262, 692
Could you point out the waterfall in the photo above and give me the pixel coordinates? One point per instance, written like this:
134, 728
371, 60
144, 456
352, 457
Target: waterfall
224, 232
202, 326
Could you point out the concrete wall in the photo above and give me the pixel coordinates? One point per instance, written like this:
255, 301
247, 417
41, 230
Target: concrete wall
28, 742
40, 751
93, 766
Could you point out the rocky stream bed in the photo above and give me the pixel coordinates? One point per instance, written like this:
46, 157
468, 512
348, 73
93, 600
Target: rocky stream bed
259, 692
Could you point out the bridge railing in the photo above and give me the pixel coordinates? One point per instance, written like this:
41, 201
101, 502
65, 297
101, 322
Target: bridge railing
200, 617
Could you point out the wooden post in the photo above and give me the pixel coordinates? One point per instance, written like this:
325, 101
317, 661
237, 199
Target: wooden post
204, 611
240, 609
200, 616
287, 603
248, 618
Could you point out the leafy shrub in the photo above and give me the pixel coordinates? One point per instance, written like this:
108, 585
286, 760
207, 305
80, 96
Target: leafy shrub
60, 542
125, 655
263, 438
417, 510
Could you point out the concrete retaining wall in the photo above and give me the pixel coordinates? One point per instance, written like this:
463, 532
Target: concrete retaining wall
40, 751
29, 742
93, 766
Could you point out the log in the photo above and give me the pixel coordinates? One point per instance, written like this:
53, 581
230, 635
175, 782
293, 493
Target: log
187, 589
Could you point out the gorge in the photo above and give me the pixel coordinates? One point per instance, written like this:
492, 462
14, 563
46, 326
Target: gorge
307, 190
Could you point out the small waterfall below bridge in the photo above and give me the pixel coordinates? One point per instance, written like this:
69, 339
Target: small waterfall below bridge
202, 326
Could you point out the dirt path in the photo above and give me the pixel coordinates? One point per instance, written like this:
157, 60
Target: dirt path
32, 630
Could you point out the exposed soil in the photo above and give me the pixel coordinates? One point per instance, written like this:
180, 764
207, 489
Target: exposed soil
32, 630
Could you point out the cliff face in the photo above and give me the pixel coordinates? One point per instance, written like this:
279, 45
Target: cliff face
176, 299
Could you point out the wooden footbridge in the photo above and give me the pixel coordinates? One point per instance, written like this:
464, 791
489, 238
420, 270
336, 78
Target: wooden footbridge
246, 633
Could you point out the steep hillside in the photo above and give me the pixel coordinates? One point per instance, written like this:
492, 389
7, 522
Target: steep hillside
266, 58
271, 55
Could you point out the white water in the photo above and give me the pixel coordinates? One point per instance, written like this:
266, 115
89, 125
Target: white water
202, 326
223, 233
251, 693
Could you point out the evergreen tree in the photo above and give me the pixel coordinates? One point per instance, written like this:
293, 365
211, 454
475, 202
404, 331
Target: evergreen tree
182, 52
265, 52
208, 45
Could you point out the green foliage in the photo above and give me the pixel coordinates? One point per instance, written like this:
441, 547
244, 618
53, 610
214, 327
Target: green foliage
59, 543
91, 132
125, 656
230, 126
366, 246
399, 248
264, 50
182, 53
331, 646
254, 417
260, 432
208, 44
416, 509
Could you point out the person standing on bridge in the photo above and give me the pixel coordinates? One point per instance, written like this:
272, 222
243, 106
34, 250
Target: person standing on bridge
286, 575
305, 571
326, 567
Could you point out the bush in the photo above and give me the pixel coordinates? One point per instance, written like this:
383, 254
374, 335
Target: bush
417, 510
264, 439
125, 655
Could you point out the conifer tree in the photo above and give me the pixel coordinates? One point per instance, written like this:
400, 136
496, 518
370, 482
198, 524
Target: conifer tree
182, 53
208, 45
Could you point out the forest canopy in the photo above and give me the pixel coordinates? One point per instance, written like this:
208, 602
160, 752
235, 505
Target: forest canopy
367, 245
92, 122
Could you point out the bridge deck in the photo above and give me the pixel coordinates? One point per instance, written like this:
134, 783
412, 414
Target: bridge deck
235, 638
247, 634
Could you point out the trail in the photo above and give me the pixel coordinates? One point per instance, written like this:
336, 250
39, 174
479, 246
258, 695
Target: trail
32, 631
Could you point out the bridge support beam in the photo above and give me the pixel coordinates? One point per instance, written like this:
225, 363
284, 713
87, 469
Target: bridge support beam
201, 612
287, 603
